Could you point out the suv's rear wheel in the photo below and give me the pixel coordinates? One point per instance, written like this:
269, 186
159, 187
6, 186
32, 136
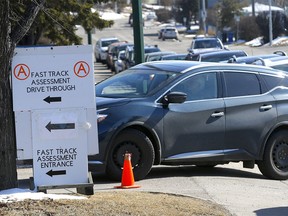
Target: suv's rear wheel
275, 160
139, 145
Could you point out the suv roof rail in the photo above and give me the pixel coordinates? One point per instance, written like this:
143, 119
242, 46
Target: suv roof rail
259, 62
280, 52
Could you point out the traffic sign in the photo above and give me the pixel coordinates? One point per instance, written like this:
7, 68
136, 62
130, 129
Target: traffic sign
47, 78
55, 112
59, 150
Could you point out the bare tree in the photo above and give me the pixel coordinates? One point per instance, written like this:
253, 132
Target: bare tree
10, 35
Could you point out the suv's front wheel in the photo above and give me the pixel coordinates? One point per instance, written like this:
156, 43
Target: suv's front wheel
142, 154
275, 159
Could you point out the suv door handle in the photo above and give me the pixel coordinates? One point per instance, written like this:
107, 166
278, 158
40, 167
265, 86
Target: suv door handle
217, 114
266, 107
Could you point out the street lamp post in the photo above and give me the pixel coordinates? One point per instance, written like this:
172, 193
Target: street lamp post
203, 14
138, 31
270, 25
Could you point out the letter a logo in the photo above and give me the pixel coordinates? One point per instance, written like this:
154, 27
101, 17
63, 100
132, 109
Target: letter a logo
81, 69
21, 72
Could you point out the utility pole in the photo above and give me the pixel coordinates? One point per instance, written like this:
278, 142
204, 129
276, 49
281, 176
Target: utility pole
204, 16
138, 31
253, 7
270, 25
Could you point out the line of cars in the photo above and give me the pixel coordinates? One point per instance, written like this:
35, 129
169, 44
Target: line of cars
211, 49
119, 55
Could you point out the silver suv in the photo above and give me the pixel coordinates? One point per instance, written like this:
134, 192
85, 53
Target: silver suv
170, 33
206, 44
101, 48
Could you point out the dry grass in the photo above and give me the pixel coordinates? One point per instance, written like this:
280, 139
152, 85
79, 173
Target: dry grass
120, 203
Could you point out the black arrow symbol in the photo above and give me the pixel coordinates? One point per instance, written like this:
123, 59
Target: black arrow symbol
52, 99
60, 126
51, 173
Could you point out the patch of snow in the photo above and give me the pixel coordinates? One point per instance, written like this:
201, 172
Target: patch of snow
255, 42
280, 41
110, 15
16, 194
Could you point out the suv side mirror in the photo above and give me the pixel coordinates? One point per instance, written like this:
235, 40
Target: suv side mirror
174, 97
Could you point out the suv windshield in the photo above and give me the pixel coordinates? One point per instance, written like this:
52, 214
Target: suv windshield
134, 83
107, 43
207, 43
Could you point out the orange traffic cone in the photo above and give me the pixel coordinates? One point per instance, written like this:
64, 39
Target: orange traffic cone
127, 174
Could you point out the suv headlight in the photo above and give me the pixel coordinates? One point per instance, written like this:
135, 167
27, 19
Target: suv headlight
101, 117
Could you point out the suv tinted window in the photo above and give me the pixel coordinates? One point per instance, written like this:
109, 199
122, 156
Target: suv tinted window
198, 87
273, 81
107, 43
283, 67
241, 84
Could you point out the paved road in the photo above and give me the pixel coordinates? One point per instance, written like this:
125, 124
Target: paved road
101, 72
244, 192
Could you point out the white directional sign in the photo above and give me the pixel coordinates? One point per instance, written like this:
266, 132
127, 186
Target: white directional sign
57, 77
59, 147
55, 112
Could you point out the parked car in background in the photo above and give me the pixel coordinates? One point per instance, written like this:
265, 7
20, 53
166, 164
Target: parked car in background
119, 63
170, 33
179, 27
220, 56
101, 47
156, 56
151, 15
204, 44
112, 53
129, 60
193, 113
177, 56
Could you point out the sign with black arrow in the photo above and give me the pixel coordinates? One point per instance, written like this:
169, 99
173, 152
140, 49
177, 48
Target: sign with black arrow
52, 99
53, 128
52, 173
60, 126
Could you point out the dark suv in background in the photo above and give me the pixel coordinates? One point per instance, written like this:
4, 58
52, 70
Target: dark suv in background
193, 113
129, 60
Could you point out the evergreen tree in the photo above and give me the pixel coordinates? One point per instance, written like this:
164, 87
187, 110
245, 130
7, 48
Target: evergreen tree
56, 22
